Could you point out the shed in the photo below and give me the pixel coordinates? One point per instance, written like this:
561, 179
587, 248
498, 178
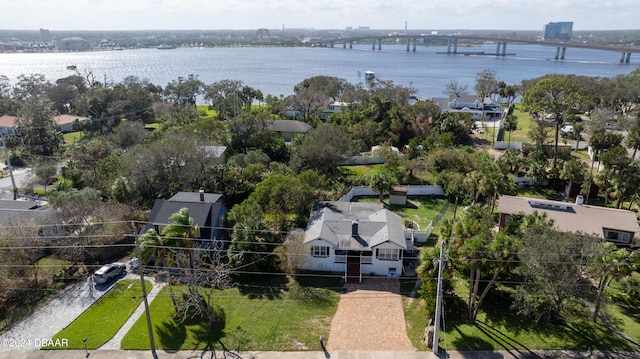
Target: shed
398, 196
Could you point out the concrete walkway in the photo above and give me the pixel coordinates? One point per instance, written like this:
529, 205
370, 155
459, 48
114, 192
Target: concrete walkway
114, 343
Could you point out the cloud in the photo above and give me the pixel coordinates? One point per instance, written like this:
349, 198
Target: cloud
335, 14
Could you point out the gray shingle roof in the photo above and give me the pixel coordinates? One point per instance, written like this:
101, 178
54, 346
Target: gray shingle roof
289, 126
334, 221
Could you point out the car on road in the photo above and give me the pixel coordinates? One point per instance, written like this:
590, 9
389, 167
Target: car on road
109, 271
566, 131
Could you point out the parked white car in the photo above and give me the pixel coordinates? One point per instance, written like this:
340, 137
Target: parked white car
109, 271
566, 131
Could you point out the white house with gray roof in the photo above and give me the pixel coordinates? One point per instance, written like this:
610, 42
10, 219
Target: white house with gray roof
355, 239
479, 109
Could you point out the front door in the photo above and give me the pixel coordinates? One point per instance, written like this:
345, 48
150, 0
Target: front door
353, 267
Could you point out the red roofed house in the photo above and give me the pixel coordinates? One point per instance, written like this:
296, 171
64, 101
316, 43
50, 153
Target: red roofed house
8, 125
66, 122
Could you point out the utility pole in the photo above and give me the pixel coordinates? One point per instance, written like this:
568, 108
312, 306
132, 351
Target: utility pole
152, 343
8, 161
436, 332
439, 294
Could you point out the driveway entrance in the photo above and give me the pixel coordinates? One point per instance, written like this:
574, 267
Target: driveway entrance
370, 317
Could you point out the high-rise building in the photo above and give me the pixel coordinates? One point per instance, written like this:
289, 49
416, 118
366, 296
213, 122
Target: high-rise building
558, 31
44, 35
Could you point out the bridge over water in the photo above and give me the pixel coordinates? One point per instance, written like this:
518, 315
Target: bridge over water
501, 48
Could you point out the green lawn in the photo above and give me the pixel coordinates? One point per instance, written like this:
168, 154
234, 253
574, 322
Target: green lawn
358, 174
72, 137
500, 328
50, 267
524, 125
626, 318
104, 318
489, 335
415, 315
421, 210
254, 317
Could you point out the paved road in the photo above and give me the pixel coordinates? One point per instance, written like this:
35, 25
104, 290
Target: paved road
53, 317
21, 177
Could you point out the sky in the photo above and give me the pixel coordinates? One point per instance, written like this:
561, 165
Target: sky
318, 14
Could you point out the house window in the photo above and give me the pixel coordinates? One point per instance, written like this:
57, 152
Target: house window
388, 254
319, 251
341, 256
615, 236
366, 257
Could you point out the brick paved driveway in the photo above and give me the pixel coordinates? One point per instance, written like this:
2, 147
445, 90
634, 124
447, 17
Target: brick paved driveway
370, 317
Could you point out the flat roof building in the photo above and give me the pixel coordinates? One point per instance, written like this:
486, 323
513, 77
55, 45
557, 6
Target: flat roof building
558, 31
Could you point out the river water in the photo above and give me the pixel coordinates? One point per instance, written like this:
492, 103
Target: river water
276, 70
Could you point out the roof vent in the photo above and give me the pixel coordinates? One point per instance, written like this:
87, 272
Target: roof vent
354, 227
201, 195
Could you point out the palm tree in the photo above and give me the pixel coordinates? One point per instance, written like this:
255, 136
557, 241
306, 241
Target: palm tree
611, 263
578, 128
152, 245
180, 231
510, 124
633, 140
573, 171
380, 182
604, 180
181, 227
502, 251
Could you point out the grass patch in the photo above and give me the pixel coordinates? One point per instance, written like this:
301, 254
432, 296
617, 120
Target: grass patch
626, 318
360, 173
421, 210
104, 318
415, 315
499, 328
284, 318
207, 112
503, 330
524, 125
539, 192
50, 267
71, 137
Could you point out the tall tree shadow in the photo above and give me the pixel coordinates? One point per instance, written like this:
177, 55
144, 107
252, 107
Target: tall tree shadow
171, 335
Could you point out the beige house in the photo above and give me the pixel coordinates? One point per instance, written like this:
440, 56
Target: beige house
615, 225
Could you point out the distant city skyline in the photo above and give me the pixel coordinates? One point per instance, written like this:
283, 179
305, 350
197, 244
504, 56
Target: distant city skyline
59, 15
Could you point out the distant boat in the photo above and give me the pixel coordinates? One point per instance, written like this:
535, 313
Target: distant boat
166, 47
369, 75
